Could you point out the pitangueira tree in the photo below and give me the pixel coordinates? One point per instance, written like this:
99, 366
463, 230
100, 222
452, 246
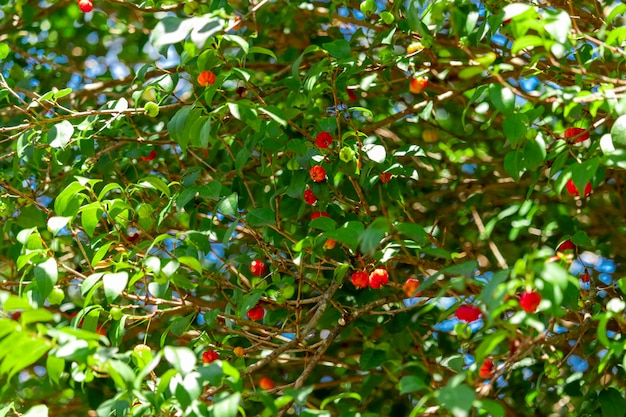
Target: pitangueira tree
232, 208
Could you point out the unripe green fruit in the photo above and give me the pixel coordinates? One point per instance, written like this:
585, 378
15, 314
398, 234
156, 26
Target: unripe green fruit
387, 17
56, 296
142, 355
116, 313
141, 349
368, 7
463, 330
346, 154
151, 109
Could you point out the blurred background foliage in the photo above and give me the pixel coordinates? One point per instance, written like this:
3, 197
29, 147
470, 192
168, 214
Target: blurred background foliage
129, 233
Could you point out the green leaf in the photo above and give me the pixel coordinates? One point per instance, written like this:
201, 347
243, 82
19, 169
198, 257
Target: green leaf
90, 217
176, 126
100, 253
612, 403
489, 344
558, 24
37, 411
534, 154
5, 410
62, 93
228, 406
466, 269
514, 127
170, 268
185, 196
336, 398
323, 223
526, 42
121, 373
556, 275
114, 284
584, 172
228, 206
300, 395
476, 95
212, 373
242, 158
373, 235
233, 376
457, 398
54, 368
202, 137
514, 164
295, 67
46, 275
340, 271
242, 111
182, 394
261, 217
205, 28
371, 358
410, 383
275, 114
191, 262
107, 189
48, 96
155, 184
4, 50
307, 412
413, 231
66, 201
60, 134
260, 50
250, 300
502, 98
145, 215
14, 302
470, 72
580, 238
515, 9
339, 49
181, 324
241, 42
349, 234
494, 408
36, 316
170, 30
616, 11
618, 131
486, 59
182, 358
229, 233
493, 293
376, 153
33, 349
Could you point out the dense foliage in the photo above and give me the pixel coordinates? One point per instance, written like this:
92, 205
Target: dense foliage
223, 208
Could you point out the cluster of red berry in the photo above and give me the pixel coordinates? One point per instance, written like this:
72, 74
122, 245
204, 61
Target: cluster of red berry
85, 5
376, 279
206, 78
576, 135
257, 268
